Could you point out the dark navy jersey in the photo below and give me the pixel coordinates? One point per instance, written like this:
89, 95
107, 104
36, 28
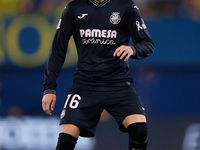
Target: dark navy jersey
98, 30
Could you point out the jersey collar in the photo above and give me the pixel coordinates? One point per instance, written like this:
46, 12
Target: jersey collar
99, 4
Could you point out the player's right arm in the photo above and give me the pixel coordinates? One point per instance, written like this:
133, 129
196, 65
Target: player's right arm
48, 103
56, 60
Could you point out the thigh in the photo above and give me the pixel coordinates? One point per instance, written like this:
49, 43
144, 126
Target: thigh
124, 103
133, 119
70, 129
83, 109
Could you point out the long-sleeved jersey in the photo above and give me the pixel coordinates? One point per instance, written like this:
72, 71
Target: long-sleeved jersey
98, 30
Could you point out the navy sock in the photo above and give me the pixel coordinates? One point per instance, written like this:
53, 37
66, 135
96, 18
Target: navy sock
66, 142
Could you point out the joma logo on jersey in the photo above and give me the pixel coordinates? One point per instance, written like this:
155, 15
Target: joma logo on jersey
98, 33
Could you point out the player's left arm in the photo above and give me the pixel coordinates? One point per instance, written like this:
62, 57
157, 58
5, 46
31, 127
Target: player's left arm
143, 43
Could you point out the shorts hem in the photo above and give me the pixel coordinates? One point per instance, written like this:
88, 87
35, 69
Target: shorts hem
83, 131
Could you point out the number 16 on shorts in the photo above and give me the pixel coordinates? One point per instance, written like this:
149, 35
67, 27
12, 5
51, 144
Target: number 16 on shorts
74, 101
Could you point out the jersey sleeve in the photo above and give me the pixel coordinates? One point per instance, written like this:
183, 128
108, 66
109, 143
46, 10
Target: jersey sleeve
143, 44
58, 51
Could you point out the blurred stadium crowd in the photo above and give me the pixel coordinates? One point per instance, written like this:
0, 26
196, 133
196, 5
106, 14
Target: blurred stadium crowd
150, 9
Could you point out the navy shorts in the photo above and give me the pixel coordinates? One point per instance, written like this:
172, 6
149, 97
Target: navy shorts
83, 107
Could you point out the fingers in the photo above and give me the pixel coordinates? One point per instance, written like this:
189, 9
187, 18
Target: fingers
47, 102
53, 104
128, 56
45, 106
123, 52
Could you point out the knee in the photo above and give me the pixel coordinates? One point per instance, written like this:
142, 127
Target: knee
66, 142
138, 135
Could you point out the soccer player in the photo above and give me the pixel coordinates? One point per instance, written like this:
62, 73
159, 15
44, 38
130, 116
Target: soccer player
101, 30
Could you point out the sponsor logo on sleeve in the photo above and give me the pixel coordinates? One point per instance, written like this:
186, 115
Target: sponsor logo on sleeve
141, 26
136, 7
58, 26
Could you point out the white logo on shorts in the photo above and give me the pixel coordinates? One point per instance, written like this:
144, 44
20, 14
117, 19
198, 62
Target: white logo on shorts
62, 114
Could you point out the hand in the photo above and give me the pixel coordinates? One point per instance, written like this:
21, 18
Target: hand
124, 52
48, 103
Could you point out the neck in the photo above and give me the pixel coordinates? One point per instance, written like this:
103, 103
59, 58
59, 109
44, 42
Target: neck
99, 1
